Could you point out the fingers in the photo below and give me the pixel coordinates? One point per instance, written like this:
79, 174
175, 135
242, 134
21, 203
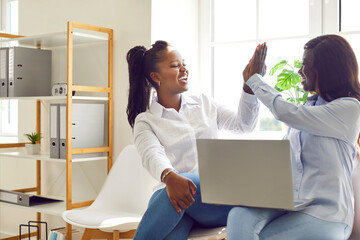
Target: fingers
192, 187
175, 205
181, 192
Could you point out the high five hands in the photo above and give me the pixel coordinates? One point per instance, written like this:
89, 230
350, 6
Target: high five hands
257, 62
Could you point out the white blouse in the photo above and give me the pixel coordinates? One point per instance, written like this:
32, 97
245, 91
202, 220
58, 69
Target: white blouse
166, 138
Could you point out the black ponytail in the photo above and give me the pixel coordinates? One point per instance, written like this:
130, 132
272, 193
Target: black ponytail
141, 63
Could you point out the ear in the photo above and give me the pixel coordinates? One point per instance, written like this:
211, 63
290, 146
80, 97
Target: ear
155, 77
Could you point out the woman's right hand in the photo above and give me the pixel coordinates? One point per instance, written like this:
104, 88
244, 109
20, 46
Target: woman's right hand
180, 191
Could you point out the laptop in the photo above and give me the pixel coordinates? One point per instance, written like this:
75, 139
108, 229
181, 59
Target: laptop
254, 173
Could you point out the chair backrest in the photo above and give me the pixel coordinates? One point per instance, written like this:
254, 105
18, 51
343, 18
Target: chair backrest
128, 187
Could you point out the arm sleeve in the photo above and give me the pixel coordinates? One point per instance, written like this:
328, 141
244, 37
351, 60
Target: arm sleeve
335, 119
152, 153
242, 121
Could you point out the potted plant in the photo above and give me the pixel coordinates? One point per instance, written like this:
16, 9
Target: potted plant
289, 81
34, 147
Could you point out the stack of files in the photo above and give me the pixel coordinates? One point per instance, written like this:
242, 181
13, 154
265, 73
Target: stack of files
89, 128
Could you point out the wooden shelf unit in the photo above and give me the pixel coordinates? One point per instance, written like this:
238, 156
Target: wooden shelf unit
76, 34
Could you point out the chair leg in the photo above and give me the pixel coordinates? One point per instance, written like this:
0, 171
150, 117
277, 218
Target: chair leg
115, 235
126, 235
86, 234
96, 234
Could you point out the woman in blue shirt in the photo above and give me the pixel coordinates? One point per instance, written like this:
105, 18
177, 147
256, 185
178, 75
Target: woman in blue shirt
322, 134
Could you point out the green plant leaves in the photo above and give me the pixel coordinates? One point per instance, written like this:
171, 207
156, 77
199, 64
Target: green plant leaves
33, 137
286, 79
278, 66
297, 64
289, 81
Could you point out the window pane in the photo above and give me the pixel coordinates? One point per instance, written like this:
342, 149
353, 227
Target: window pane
229, 63
283, 18
350, 18
231, 59
234, 20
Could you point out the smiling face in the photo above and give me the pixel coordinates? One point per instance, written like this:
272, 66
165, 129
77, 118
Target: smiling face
172, 75
308, 72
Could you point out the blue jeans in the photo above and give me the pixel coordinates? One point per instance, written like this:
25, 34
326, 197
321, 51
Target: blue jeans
258, 223
162, 221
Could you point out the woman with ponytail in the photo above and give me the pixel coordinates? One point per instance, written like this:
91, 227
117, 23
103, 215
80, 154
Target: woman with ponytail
165, 133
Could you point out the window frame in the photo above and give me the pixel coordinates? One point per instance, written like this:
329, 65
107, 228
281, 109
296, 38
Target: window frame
9, 121
324, 18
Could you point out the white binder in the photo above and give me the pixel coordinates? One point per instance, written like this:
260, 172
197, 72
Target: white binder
89, 128
54, 131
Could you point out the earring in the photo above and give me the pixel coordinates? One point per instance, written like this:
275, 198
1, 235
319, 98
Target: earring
159, 83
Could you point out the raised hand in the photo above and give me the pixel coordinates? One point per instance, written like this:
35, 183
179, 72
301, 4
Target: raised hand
257, 62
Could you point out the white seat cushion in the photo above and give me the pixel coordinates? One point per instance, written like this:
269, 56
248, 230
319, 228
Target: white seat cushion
103, 220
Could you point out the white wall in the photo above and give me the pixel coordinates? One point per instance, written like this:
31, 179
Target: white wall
131, 21
177, 22
135, 22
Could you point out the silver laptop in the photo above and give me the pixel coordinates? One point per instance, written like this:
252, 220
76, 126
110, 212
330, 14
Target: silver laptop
255, 173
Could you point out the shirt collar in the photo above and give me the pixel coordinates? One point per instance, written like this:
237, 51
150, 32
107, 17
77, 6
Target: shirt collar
315, 100
157, 109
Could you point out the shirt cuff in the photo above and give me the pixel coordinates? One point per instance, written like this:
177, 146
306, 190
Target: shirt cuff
255, 81
160, 170
249, 98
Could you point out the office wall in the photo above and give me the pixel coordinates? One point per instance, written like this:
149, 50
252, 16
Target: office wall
131, 21
177, 22
137, 22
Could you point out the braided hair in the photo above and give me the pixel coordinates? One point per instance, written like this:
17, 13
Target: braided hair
141, 63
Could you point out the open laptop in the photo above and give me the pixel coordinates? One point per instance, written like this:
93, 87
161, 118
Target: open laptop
255, 173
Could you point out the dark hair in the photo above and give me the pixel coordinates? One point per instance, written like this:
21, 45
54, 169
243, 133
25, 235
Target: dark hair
337, 67
142, 62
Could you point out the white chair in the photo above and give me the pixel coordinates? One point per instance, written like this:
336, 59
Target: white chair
117, 210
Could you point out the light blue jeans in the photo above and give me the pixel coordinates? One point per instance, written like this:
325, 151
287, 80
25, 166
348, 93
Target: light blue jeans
258, 223
162, 221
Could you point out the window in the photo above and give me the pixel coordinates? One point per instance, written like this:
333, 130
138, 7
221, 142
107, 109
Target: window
8, 108
233, 28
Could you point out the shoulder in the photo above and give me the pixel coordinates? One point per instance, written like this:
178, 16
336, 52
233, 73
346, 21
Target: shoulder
346, 102
144, 117
345, 108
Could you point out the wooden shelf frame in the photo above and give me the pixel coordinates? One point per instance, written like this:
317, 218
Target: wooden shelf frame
70, 88
69, 101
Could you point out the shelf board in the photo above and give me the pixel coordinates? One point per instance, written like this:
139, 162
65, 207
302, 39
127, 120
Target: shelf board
4, 235
56, 208
57, 98
21, 153
51, 40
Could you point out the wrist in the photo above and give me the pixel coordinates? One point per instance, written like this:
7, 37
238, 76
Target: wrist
165, 174
247, 89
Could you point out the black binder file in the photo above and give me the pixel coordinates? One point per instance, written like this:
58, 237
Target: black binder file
24, 199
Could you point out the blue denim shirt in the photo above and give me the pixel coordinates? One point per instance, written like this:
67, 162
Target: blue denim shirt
322, 136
